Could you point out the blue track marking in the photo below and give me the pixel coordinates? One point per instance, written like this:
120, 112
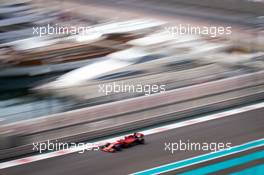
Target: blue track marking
201, 158
226, 164
256, 170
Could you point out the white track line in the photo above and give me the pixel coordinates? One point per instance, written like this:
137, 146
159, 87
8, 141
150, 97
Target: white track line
43, 156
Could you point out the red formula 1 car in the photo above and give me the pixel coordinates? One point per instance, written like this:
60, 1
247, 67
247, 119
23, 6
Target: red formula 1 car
130, 140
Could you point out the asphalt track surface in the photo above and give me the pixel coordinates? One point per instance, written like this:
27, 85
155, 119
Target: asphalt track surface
237, 129
229, 170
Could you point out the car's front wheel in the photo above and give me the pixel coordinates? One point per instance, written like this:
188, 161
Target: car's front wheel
118, 148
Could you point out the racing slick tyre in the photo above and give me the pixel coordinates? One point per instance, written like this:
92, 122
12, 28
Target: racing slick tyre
141, 141
118, 148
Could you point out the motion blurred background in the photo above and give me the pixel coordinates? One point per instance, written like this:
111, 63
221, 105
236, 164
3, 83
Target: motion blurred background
42, 77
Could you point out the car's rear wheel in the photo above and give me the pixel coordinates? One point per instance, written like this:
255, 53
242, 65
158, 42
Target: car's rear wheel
141, 141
